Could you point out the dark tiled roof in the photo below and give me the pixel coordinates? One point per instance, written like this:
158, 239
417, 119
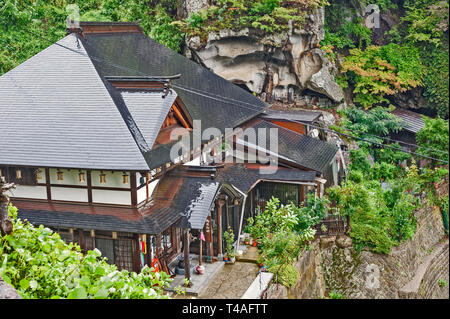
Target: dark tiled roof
136, 51
306, 151
413, 122
245, 177
294, 115
195, 199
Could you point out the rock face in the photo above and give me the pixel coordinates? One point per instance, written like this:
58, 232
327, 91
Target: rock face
332, 264
281, 67
7, 291
186, 7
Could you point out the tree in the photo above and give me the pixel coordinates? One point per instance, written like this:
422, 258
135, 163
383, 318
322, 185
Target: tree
433, 139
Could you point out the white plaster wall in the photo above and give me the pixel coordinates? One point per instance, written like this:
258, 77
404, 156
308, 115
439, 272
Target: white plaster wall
111, 197
141, 196
194, 162
70, 177
24, 191
113, 179
69, 194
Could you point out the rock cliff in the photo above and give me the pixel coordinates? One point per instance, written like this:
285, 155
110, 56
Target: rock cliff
284, 67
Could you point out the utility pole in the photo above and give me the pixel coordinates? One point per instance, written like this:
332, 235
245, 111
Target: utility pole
5, 223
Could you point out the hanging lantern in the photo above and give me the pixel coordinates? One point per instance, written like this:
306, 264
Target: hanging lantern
102, 178
59, 175
1, 173
18, 174
114, 235
142, 180
125, 178
81, 177
92, 233
38, 174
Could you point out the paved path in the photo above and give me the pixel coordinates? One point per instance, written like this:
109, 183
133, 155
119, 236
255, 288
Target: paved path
231, 282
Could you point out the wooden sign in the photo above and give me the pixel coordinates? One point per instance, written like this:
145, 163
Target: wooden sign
208, 233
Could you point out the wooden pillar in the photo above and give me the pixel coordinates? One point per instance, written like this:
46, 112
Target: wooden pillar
47, 184
220, 204
136, 253
301, 194
89, 186
133, 189
209, 238
81, 240
147, 179
158, 246
187, 263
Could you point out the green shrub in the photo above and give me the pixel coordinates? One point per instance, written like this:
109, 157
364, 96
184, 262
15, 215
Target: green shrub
287, 275
39, 264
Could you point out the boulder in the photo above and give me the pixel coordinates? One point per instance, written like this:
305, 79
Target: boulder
7, 291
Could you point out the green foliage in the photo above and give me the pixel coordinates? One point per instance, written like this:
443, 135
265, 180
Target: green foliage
377, 72
39, 264
433, 139
229, 240
270, 16
427, 20
436, 80
282, 232
22, 25
311, 212
442, 283
287, 275
334, 295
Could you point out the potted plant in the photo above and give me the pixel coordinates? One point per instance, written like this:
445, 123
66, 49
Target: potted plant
229, 240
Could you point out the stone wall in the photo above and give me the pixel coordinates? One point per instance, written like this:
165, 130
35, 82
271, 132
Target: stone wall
437, 270
333, 265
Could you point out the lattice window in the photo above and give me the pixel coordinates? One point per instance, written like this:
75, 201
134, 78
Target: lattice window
123, 251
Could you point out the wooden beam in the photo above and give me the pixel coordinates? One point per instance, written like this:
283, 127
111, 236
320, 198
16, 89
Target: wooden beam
47, 184
187, 262
133, 188
147, 179
89, 185
220, 204
301, 194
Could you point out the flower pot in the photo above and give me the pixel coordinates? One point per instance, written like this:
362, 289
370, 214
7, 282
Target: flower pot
232, 260
225, 259
254, 243
200, 269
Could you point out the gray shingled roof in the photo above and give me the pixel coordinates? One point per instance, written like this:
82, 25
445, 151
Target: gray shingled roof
412, 122
58, 110
148, 110
55, 111
293, 115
